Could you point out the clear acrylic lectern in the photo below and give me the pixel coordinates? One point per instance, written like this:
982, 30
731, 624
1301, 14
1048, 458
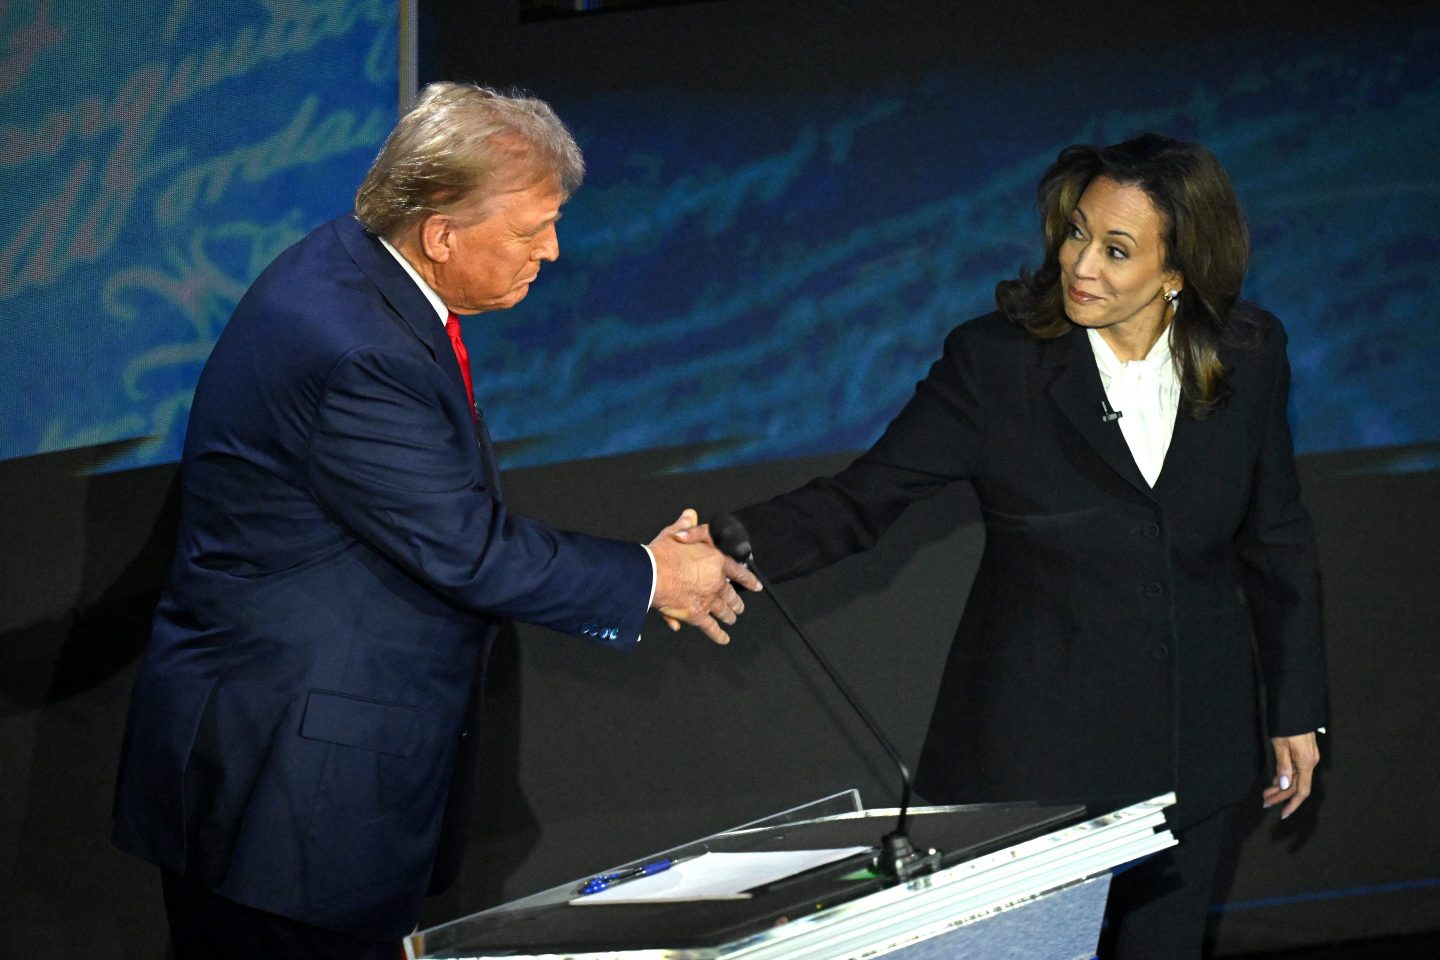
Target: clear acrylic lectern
1017, 880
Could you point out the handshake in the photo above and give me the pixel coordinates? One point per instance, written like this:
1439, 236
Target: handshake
695, 582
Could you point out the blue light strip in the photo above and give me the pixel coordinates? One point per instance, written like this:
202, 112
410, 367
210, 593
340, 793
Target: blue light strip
1397, 887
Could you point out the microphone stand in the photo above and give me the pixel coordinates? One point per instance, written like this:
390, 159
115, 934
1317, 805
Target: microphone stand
897, 858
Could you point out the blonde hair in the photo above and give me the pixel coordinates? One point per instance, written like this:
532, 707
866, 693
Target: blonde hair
461, 143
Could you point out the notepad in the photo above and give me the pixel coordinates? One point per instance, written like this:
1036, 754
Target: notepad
717, 876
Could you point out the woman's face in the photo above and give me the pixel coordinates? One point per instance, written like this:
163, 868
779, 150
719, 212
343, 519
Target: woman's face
1112, 262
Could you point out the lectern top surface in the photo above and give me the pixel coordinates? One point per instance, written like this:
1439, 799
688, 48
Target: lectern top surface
560, 928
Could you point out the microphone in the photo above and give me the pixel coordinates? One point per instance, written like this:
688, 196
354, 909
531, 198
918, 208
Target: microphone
1107, 412
897, 858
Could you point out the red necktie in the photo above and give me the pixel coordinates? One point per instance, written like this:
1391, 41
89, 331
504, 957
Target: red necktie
452, 327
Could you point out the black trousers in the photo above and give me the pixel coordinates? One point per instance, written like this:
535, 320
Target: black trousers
1157, 908
205, 926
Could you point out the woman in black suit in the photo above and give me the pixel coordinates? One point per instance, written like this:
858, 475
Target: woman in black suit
1122, 418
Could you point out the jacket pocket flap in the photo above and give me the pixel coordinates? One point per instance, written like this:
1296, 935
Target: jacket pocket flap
391, 728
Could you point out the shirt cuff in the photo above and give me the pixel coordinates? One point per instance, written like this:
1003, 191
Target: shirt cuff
654, 581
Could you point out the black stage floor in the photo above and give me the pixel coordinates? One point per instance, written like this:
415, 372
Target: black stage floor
1399, 948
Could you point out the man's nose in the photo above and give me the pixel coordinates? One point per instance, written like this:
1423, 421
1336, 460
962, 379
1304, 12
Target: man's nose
548, 245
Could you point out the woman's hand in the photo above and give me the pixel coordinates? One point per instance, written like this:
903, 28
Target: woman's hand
1295, 761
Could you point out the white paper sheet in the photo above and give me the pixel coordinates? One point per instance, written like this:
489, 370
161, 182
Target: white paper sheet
717, 876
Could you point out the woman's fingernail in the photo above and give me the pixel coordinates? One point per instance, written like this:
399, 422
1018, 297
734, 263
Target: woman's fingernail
1284, 782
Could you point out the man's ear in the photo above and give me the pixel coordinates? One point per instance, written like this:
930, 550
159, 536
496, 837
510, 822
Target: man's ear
437, 237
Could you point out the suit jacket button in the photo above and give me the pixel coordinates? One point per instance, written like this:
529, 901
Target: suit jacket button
1153, 589
1151, 530
1159, 651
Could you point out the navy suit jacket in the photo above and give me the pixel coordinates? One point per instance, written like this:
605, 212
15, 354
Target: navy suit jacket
343, 562
1105, 650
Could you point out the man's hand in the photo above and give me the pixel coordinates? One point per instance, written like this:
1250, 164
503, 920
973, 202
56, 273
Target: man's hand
1295, 761
692, 583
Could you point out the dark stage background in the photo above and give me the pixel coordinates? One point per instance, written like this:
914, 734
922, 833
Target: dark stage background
788, 206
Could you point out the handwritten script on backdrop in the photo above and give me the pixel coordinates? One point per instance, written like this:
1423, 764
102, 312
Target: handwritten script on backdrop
159, 153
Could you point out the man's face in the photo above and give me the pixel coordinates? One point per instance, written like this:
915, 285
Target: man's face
486, 257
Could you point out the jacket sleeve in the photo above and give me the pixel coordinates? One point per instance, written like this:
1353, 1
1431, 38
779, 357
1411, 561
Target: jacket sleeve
387, 462
1280, 571
935, 440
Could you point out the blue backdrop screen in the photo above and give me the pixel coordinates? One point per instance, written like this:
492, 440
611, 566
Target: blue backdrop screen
773, 274
157, 154
765, 276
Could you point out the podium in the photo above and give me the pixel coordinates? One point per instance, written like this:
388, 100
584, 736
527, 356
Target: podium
1017, 880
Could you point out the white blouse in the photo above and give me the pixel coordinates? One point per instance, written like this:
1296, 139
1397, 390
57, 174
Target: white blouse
1146, 394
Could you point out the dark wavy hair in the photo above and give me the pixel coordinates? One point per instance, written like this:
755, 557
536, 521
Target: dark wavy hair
1205, 240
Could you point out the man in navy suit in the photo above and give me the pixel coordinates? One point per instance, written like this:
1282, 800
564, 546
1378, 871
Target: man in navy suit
345, 556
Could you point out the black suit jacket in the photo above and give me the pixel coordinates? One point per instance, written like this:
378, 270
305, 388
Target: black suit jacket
344, 561
1105, 649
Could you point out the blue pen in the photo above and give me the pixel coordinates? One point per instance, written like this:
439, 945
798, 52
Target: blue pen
607, 880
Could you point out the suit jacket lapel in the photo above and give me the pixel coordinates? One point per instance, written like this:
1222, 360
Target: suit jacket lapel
407, 300
487, 450
401, 293
1185, 460
1077, 392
